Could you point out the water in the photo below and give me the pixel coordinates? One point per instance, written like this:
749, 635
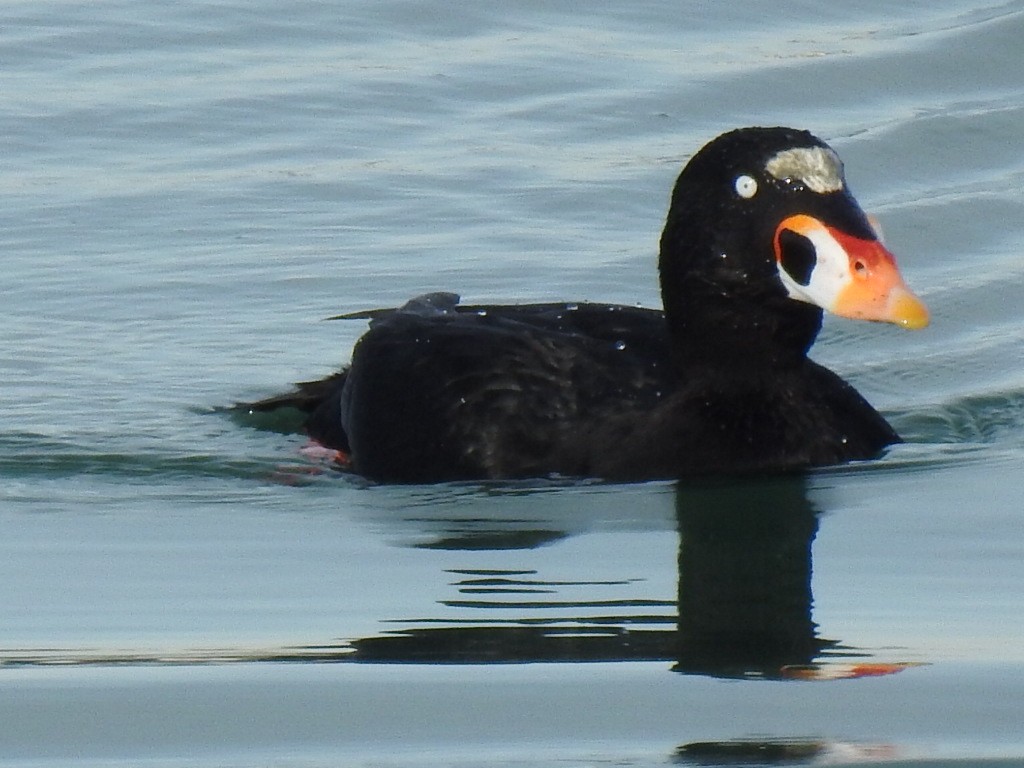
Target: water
188, 189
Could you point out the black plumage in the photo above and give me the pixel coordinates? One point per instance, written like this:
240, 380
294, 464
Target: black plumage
718, 382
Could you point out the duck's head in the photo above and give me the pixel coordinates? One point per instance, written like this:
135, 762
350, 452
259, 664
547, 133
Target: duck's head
763, 233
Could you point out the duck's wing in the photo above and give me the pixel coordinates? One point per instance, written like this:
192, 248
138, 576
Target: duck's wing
494, 392
635, 337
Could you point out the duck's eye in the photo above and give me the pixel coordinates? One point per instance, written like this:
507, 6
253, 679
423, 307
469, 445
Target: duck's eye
746, 186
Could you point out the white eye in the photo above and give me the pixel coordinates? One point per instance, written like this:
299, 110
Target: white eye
746, 186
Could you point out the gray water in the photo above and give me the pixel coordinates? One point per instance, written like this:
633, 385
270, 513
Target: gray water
188, 189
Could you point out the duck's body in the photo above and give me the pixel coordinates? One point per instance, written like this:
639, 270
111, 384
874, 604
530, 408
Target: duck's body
719, 382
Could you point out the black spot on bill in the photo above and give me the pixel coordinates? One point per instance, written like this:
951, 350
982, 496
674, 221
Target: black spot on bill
797, 256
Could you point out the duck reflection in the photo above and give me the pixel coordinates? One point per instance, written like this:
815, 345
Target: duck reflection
745, 579
743, 606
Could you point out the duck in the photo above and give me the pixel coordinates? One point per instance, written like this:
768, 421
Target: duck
762, 237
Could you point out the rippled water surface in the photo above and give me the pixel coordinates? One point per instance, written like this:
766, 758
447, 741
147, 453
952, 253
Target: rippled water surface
188, 189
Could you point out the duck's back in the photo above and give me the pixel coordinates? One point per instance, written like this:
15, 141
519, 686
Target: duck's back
434, 393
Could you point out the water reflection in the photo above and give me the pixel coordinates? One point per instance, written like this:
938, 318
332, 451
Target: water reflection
763, 752
745, 579
743, 606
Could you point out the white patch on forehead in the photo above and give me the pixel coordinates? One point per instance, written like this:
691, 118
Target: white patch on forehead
818, 168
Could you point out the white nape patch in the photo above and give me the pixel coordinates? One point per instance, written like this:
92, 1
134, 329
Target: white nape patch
818, 168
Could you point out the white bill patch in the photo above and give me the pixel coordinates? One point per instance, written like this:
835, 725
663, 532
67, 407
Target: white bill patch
830, 276
817, 168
